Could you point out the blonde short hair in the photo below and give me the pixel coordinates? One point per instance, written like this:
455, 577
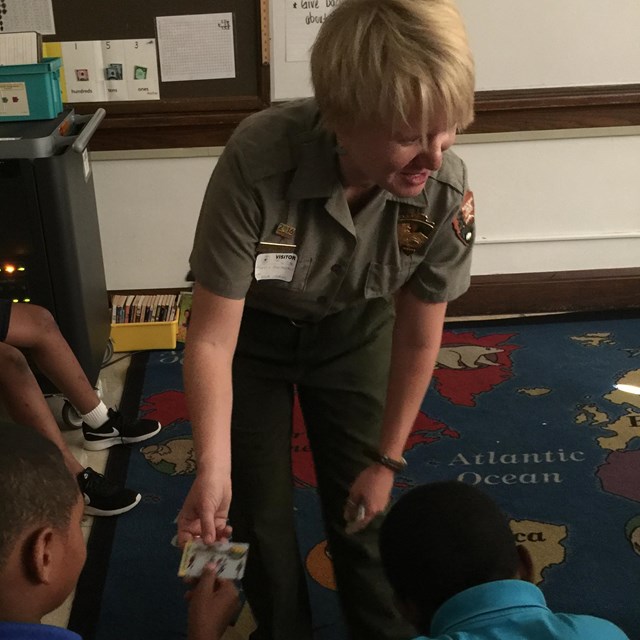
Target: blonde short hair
379, 60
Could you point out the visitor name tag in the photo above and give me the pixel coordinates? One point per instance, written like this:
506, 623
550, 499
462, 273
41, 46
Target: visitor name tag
275, 266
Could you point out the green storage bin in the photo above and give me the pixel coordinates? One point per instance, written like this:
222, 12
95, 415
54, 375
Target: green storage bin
30, 91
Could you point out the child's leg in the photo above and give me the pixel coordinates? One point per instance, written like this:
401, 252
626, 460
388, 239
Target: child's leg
32, 327
25, 403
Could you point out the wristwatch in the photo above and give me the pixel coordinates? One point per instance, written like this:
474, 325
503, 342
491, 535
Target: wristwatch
386, 461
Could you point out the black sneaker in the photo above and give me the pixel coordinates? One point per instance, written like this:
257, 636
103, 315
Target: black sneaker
103, 498
116, 431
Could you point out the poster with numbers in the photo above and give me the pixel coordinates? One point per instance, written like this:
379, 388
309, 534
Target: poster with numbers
110, 70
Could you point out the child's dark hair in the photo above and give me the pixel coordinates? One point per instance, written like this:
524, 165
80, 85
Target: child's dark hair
36, 487
442, 538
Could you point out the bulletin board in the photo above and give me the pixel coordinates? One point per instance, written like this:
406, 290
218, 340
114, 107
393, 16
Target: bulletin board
541, 64
189, 112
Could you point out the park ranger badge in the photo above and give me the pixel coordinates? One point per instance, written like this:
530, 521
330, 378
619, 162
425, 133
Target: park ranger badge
464, 221
414, 228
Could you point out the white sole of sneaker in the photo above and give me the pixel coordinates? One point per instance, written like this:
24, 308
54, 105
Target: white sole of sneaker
92, 511
99, 445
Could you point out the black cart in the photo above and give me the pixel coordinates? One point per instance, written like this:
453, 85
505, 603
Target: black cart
50, 249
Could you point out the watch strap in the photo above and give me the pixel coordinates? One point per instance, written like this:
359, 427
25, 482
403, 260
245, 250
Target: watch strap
386, 461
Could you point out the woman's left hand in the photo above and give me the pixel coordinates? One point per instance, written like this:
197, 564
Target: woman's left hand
368, 497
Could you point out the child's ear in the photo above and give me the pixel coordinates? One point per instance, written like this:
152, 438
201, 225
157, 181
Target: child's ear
38, 554
525, 565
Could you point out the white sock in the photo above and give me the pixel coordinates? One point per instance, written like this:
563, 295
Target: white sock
97, 417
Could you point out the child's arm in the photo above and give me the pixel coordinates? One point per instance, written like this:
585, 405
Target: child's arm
213, 605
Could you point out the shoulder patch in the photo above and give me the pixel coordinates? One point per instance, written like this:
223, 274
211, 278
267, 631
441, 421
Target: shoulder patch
464, 221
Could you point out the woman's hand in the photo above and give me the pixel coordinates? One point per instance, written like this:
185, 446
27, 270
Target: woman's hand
205, 510
213, 605
369, 496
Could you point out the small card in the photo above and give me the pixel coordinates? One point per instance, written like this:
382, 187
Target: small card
231, 558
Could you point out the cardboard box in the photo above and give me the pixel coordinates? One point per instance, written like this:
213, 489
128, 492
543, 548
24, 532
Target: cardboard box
30, 91
139, 336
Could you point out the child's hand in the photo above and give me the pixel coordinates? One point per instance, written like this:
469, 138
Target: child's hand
213, 605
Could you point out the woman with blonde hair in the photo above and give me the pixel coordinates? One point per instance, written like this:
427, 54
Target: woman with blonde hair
333, 233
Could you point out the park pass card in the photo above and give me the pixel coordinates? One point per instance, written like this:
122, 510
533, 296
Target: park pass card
231, 558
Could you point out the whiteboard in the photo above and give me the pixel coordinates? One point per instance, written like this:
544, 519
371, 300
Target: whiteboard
517, 44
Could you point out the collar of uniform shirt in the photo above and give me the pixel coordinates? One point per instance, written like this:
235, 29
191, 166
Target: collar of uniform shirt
316, 174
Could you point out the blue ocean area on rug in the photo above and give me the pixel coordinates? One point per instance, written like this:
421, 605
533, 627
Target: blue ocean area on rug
543, 414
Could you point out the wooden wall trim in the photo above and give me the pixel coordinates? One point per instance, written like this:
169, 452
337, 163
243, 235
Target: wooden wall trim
167, 131
172, 125
558, 108
516, 293
589, 290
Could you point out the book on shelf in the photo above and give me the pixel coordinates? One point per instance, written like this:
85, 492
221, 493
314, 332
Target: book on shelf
184, 314
136, 310
127, 308
148, 304
172, 301
117, 308
154, 309
141, 308
163, 310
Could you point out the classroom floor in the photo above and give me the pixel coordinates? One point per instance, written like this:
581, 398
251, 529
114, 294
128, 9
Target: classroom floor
112, 381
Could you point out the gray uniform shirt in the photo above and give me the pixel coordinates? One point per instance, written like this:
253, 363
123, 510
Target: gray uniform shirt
280, 166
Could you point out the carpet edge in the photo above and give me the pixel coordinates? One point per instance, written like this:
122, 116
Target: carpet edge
85, 610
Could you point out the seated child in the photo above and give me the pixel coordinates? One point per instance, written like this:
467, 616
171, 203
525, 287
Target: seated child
458, 573
32, 328
42, 549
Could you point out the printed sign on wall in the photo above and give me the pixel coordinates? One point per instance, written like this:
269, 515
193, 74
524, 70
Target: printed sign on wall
109, 70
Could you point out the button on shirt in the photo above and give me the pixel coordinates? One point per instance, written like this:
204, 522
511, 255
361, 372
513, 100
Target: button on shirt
513, 610
280, 168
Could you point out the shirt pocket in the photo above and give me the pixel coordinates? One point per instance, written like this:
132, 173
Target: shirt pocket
384, 279
298, 282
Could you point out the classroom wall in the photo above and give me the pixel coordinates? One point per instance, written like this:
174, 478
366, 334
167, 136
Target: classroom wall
516, 43
545, 201
543, 204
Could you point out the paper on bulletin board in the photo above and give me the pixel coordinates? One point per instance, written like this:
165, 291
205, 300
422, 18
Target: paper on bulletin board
303, 19
196, 47
109, 70
27, 15
54, 50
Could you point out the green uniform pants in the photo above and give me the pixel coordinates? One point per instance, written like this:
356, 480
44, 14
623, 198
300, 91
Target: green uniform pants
340, 368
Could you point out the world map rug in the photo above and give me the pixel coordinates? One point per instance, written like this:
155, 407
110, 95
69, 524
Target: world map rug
541, 413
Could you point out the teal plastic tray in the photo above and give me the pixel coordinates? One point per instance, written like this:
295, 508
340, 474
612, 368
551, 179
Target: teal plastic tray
42, 83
